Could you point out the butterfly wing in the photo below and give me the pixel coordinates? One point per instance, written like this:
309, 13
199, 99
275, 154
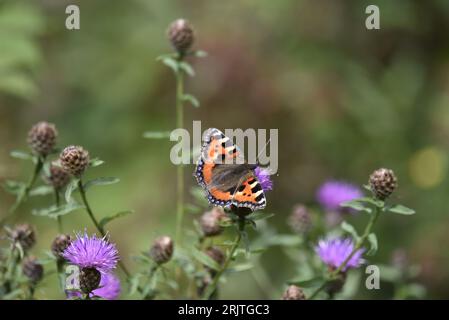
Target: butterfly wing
225, 177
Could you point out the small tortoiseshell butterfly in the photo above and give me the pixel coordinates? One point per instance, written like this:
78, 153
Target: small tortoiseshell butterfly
227, 182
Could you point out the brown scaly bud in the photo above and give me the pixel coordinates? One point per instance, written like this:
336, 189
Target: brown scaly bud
383, 182
59, 244
32, 269
162, 250
74, 160
181, 35
216, 254
42, 138
89, 279
300, 220
58, 177
210, 222
293, 293
24, 235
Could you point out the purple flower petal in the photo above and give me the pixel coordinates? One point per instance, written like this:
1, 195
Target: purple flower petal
88, 251
263, 176
333, 252
333, 193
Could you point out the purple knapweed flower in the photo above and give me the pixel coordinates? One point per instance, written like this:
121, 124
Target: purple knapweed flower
108, 289
333, 252
332, 194
263, 175
93, 252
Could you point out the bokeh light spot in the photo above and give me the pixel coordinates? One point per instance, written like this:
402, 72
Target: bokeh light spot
427, 167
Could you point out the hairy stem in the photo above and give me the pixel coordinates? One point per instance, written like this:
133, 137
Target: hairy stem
213, 286
335, 274
58, 203
24, 194
180, 168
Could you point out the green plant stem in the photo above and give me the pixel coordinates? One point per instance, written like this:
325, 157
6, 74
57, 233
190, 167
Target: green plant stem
335, 273
59, 218
213, 286
99, 227
24, 194
180, 168
148, 294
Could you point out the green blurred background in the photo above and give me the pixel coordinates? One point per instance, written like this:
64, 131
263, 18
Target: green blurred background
345, 100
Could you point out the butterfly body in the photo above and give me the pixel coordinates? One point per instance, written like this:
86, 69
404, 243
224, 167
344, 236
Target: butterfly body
225, 177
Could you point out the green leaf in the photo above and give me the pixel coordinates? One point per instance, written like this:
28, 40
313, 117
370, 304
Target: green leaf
171, 63
259, 215
200, 53
192, 209
372, 239
350, 229
14, 187
187, 68
356, 205
103, 181
42, 191
285, 240
309, 283
54, 212
400, 209
95, 162
21, 155
376, 202
241, 267
72, 186
156, 134
205, 259
191, 99
120, 214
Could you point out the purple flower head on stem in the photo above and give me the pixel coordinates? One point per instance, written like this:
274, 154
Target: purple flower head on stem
94, 252
333, 252
109, 288
263, 176
332, 194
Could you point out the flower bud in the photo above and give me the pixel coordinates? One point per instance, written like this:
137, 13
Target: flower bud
58, 177
89, 279
59, 244
210, 222
383, 182
293, 293
162, 250
216, 254
181, 35
32, 269
74, 160
23, 234
300, 220
42, 138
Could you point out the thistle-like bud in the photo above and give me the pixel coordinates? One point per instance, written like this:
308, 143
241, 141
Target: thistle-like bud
89, 279
300, 220
42, 138
293, 293
181, 35
59, 244
162, 250
32, 269
210, 222
74, 160
383, 182
58, 177
216, 254
24, 235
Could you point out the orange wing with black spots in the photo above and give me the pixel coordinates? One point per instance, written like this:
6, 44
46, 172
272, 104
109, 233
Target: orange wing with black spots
225, 177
